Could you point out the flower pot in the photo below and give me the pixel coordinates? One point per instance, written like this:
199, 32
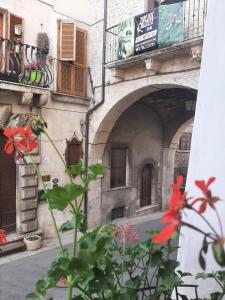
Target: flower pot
32, 242
36, 76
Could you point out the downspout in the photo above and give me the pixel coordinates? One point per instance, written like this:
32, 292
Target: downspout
89, 113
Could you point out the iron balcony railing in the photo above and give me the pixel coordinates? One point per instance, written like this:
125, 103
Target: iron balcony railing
194, 16
24, 64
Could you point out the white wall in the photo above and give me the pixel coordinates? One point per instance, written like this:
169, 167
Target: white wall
208, 144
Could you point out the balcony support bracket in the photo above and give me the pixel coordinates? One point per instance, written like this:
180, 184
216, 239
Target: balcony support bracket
42, 99
26, 98
118, 73
152, 65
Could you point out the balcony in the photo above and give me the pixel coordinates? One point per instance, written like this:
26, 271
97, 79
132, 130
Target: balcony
188, 31
24, 64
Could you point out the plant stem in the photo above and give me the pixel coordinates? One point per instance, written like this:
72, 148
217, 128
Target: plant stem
206, 221
83, 291
49, 204
70, 293
54, 146
219, 220
197, 229
124, 245
75, 233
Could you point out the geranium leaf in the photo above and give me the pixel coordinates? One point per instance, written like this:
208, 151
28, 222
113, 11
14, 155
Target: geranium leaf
61, 197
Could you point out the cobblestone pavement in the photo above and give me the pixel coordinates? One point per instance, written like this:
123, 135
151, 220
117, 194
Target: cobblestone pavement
19, 272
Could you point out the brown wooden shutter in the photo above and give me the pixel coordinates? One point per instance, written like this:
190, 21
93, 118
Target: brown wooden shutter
74, 152
67, 41
81, 63
118, 167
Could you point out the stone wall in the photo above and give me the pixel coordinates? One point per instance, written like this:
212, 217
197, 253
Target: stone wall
139, 128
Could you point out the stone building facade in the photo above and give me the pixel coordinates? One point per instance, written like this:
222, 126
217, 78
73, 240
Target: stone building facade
21, 22
144, 104
128, 114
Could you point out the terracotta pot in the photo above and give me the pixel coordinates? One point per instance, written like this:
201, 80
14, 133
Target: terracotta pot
32, 242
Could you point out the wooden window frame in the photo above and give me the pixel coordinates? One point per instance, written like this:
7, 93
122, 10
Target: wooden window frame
127, 164
73, 66
73, 141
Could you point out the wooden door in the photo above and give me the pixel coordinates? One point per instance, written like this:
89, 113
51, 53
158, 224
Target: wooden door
7, 189
1, 35
146, 185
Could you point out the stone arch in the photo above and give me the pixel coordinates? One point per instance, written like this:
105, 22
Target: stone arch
103, 120
168, 159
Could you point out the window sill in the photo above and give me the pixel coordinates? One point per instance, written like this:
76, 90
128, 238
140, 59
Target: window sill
70, 98
149, 207
119, 188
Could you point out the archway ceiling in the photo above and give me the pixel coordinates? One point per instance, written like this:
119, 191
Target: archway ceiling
169, 104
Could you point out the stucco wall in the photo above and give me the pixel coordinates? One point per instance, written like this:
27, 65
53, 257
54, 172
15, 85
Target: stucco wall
208, 145
140, 129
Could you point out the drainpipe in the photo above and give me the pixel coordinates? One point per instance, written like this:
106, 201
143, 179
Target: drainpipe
89, 113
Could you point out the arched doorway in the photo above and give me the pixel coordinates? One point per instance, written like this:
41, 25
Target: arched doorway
7, 189
146, 186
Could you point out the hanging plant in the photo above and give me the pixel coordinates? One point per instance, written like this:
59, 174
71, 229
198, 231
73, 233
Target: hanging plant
43, 40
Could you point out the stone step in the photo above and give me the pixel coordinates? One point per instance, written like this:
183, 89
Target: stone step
12, 247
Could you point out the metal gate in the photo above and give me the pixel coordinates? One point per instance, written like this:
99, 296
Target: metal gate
7, 189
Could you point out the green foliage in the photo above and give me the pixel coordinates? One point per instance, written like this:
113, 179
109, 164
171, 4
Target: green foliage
219, 277
219, 254
78, 220
60, 197
104, 269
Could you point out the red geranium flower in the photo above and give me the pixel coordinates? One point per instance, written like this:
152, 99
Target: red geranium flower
208, 199
27, 140
172, 217
124, 233
19, 139
12, 143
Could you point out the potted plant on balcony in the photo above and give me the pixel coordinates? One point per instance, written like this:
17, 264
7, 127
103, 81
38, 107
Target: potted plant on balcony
33, 74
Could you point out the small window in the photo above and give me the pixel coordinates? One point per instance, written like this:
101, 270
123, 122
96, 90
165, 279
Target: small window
117, 212
74, 151
185, 141
119, 162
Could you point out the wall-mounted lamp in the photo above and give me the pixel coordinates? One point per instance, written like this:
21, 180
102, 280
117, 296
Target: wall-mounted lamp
190, 105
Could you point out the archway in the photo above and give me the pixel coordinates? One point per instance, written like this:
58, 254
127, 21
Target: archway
7, 189
168, 110
169, 160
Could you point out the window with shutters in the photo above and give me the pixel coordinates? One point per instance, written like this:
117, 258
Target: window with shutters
119, 166
74, 151
72, 65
